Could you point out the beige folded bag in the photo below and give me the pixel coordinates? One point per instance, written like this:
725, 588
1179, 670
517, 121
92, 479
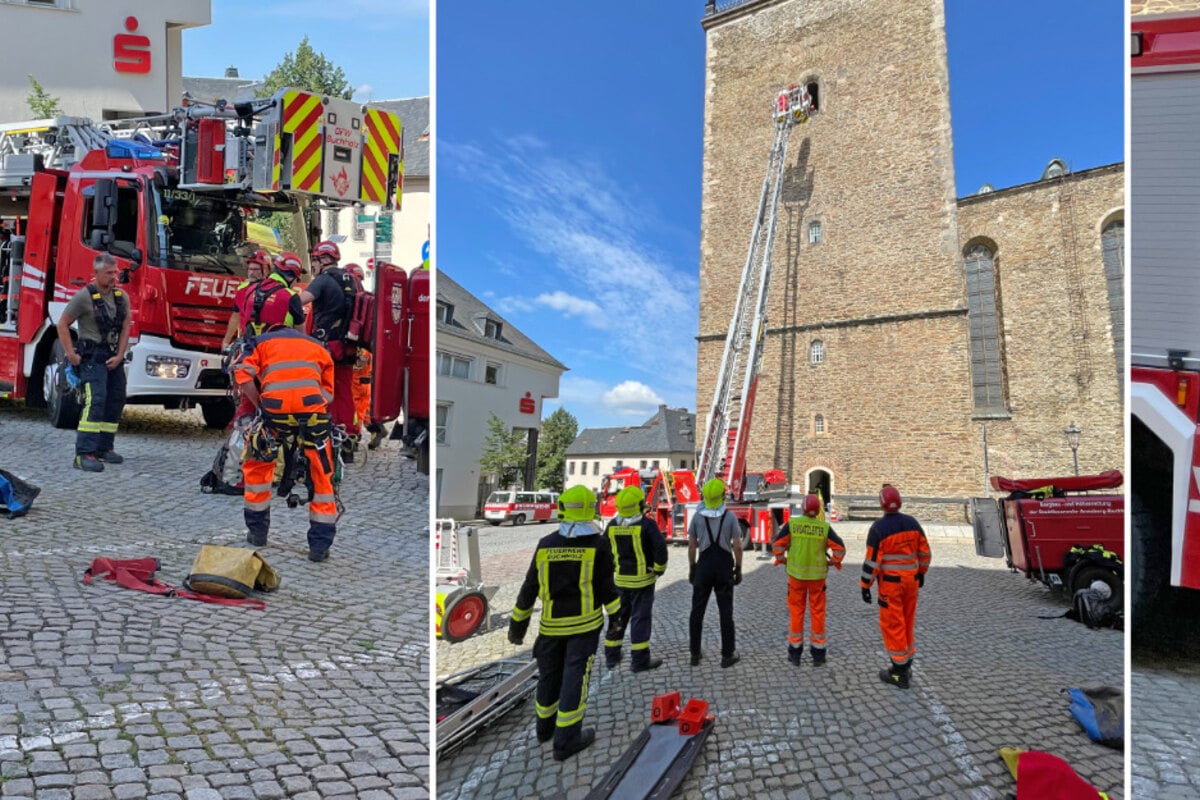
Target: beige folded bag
230, 572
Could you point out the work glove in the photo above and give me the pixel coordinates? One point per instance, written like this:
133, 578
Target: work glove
866, 595
692, 574
920, 580
516, 631
737, 575
836, 564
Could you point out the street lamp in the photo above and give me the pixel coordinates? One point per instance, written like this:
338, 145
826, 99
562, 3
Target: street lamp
1072, 434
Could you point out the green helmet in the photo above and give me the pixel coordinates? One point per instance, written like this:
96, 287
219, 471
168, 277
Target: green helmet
577, 504
713, 493
629, 501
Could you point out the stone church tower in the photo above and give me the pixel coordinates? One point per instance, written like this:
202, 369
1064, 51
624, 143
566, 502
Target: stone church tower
881, 363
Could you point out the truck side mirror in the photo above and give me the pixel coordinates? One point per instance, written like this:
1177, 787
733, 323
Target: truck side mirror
103, 207
126, 250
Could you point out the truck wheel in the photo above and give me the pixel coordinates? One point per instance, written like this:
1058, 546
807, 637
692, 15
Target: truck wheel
1085, 575
1149, 565
493, 522
464, 616
423, 458
217, 413
519, 519
62, 404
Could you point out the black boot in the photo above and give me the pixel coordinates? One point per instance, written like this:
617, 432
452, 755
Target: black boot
646, 666
896, 675
818, 657
545, 729
582, 742
794, 654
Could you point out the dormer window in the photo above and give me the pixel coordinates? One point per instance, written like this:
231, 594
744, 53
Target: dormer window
445, 312
491, 329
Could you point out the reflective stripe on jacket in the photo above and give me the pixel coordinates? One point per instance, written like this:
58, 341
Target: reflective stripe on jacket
294, 372
639, 552
574, 579
896, 548
807, 542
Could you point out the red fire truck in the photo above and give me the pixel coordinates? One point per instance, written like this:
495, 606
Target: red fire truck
1164, 296
170, 198
668, 494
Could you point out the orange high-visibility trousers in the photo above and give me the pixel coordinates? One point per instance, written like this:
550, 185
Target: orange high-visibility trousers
322, 511
897, 613
810, 594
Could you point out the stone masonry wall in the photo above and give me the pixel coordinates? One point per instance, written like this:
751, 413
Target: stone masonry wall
1059, 357
884, 289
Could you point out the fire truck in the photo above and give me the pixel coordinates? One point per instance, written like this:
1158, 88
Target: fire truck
760, 505
668, 493
171, 198
1164, 389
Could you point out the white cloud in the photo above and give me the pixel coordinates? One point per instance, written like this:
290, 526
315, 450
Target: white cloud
363, 92
598, 236
632, 398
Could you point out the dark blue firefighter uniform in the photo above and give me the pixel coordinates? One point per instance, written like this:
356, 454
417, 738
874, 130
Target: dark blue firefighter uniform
103, 388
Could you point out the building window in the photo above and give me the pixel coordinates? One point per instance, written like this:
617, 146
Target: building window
571, 467
491, 329
454, 366
987, 373
814, 92
595, 467
1113, 240
819, 425
583, 468
654, 464
442, 423
445, 312
816, 352
814, 232
492, 374
618, 465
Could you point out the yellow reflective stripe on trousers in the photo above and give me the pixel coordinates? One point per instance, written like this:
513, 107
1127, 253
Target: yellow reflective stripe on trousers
639, 645
546, 712
85, 425
569, 718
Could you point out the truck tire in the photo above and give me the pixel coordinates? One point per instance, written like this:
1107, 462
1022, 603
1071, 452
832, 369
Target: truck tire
423, 458
519, 519
217, 413
1151, 563
62, 404
464, 616
1084, 575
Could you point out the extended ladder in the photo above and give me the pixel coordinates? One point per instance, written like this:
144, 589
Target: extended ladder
723, 452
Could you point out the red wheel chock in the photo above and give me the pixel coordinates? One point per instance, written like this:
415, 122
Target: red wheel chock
692, 717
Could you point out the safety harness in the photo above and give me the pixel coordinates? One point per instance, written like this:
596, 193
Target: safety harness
110, 324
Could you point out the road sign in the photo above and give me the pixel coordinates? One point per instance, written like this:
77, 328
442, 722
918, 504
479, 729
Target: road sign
365, 220
383, 228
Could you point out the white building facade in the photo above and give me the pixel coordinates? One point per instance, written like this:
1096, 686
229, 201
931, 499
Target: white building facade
665, 441
102, 59
483, 366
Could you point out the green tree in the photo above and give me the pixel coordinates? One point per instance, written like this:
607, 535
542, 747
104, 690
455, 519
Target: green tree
41, 103
307, 69
558, 431
504, 452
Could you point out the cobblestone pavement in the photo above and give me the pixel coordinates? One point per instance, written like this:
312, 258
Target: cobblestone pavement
989, 673
110, 693
1165, 684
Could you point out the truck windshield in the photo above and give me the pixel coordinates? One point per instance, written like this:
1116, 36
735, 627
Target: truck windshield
201, 232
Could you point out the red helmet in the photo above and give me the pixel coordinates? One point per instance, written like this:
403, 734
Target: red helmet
355, 270
889, 498
289, 266
260, 257
327, 248
812, 505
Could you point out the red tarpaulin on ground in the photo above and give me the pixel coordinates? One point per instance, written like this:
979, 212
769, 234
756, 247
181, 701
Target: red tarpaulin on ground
1073, 483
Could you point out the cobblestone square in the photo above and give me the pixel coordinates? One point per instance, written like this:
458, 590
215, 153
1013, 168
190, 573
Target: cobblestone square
989, 673
111, 694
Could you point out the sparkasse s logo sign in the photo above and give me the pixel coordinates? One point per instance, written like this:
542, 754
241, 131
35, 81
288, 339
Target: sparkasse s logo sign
131, 53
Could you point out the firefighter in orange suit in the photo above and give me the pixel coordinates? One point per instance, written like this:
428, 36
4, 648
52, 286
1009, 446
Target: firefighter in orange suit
898, 556
288, 377
808, 545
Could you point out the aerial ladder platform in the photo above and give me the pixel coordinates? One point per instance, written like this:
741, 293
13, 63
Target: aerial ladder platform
723, 452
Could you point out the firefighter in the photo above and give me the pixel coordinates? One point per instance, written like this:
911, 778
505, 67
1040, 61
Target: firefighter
898, 556
102, 312
714, 565
288, 377
257, 265
269, 303
640, 554
572, 571
363, 376
808, 545
331, 307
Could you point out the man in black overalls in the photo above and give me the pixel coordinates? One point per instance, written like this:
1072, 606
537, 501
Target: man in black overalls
102, 313
715, 536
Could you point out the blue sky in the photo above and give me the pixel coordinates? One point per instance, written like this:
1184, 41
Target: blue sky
569, 156
383, 45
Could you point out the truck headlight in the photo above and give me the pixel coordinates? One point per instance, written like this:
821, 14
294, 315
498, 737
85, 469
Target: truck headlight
168, 367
